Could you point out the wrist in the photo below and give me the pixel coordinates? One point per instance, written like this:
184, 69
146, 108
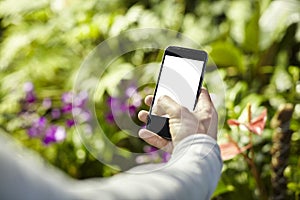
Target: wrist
198, 141
176, 141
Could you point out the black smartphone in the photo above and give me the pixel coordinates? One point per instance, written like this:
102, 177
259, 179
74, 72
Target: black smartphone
180, 77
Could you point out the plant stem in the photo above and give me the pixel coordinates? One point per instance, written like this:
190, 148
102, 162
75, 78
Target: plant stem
257, 178
253, 168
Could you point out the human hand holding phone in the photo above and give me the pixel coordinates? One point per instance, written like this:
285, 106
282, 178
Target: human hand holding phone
180, 77
182, 122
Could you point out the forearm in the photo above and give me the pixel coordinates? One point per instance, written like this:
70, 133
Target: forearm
26, 176
192, 173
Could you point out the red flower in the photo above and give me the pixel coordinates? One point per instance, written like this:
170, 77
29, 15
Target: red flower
233, 122
256, 125
230, 150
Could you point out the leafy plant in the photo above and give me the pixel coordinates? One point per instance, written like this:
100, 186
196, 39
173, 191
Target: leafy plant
255, 45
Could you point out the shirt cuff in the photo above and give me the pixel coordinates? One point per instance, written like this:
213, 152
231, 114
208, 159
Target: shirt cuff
204, 144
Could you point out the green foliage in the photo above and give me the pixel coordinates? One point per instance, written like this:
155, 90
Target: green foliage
255, 45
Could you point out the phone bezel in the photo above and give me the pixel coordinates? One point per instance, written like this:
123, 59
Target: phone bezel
182, 53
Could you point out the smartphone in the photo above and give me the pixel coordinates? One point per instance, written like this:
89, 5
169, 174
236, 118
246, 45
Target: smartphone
180, 77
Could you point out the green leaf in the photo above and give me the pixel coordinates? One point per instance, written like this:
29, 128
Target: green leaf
235, 93
276, 19
294, 187
251, 41
10, 47
295, 73
9, 7
225, 54
222, 188
282, 79
254, 99
238, 13
118, 136
110, 80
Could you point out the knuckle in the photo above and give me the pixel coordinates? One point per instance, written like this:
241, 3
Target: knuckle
161, 98
204, 115
184, 109
176, 110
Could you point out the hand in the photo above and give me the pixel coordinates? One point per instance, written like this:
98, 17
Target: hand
182, 122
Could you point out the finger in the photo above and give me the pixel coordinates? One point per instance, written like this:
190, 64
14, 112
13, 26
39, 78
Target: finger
155, 140
143, 116
166, 105
204, 100
148, 100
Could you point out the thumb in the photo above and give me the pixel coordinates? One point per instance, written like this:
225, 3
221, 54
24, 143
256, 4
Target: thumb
155, 140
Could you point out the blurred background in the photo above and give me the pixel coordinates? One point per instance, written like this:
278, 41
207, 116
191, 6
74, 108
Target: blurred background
255, 45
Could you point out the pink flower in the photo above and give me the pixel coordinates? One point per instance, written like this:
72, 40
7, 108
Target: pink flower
230, 150
256, 125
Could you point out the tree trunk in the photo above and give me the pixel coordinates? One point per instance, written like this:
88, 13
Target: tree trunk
280, 150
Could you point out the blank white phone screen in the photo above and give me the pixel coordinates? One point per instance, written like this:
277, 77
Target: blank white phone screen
179, 79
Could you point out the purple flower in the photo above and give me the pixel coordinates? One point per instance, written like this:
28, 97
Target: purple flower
84, 116
66, 108
67, 97
29, 90
133, 94
54, 134
30, 97
81, 115
28, 87
110, 118
117, 105
55, 113
150, 149
60, 133
37, 128
136, 100
131, 90
47, 103
80, 99
143, 126
166, 156
50, 135
120, 106
70, 122
113, 101
33, 132
123, 108
132, 110
152, 153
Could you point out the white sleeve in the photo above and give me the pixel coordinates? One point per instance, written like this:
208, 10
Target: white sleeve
192, 173
25, 175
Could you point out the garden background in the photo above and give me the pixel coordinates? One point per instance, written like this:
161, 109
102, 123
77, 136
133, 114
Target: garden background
254, 44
